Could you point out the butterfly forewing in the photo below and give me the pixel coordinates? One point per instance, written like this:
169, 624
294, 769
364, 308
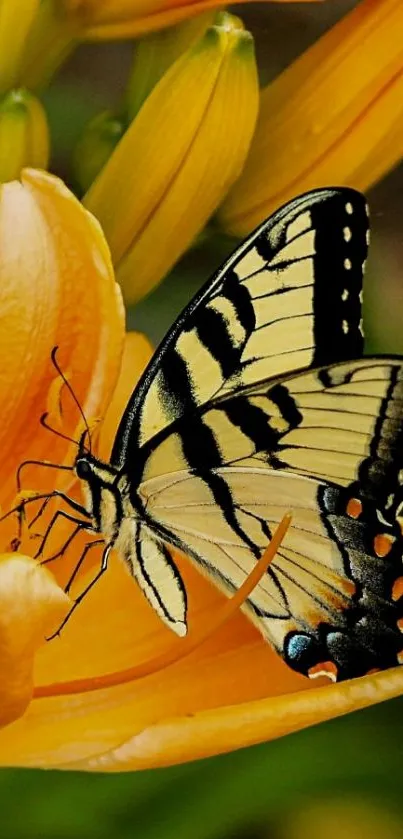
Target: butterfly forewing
287, 299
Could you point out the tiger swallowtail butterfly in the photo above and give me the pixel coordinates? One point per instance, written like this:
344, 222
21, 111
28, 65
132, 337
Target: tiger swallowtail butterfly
259, 401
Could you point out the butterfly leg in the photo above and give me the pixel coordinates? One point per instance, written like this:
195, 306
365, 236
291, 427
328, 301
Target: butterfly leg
80, 562
64, 547
98, 575
46, 497
81, 524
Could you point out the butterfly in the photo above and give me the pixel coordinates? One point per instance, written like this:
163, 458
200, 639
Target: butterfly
258, 402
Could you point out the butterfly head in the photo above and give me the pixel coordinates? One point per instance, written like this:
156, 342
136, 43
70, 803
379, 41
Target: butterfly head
93, 471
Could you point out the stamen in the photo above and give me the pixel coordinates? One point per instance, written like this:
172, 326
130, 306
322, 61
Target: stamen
185, 647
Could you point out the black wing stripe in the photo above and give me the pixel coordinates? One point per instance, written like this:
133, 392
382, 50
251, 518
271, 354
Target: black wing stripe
252, 421
235, 292
216, 335
175, 385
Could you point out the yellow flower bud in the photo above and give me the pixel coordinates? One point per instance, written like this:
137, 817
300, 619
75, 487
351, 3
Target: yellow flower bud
24, 137
178, 158
155, 53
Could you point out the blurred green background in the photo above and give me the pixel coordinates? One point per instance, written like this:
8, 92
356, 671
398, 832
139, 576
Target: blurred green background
339, 779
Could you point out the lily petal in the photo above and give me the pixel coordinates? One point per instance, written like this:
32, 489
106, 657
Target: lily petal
31, 606
232, 692
334, 116
56, 289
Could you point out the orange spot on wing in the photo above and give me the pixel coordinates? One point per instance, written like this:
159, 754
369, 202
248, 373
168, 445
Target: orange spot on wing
400, 624
397, 588
354, 508
383, 544
348, 587
325, 668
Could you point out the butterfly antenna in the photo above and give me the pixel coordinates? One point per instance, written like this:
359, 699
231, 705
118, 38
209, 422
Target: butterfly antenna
73, 395
45, 424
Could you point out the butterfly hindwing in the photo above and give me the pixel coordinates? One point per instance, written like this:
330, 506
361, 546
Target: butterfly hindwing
328, 595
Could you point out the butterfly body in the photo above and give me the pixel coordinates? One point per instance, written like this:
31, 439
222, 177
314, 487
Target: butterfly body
257, 403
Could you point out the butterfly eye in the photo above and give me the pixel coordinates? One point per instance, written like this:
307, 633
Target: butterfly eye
83, 468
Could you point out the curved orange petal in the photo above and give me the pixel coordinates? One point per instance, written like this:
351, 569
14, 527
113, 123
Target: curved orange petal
31, 605
114, 628
56, 289
232, 692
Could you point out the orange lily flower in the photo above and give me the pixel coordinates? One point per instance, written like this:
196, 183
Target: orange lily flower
91, 708
333, 116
